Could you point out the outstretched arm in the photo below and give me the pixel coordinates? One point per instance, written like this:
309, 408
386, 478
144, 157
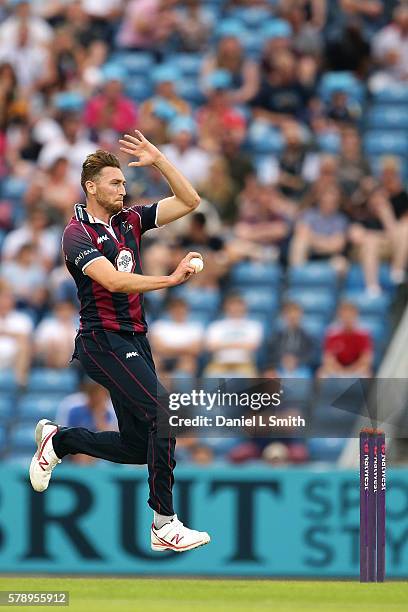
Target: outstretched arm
185, 198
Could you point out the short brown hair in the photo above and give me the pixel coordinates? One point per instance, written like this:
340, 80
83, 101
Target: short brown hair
94, 163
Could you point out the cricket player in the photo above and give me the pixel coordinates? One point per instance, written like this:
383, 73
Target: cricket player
101, 246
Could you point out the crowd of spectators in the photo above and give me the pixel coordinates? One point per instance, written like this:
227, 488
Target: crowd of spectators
66, 90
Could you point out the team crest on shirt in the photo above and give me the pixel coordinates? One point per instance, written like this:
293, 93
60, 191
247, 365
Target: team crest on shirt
125, 261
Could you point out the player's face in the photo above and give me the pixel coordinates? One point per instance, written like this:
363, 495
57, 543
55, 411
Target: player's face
110, 189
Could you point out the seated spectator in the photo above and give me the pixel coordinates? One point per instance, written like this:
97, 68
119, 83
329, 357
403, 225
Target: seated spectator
91, 409
184, 153
164, 105
37, 231
55, 335
73, 144
233, 341
147, 25
380, 225
193, 26
229, 55
177, 341
13, 105
352, 165
217, 114
348, 349
27, 277
55, 190
111, 110
307, 20
341, 110
15, 331
320, 232
264, 219
283, 94
390, 50
290, 339
104, 16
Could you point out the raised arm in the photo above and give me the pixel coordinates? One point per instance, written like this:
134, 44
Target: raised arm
185, 198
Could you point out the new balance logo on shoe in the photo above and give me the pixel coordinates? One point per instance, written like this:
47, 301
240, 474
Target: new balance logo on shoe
132, 354
177, 537
102, 239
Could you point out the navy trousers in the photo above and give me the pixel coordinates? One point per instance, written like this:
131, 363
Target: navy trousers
123, 363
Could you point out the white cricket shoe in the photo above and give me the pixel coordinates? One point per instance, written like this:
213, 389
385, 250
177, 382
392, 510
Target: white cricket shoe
175, 536
45, 459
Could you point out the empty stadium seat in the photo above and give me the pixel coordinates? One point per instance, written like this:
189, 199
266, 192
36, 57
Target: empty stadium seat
341, 81
388, 118
189, 89
328, 142
317, 301
3, 439
33, 407
313, 274
200, 299
394, 94
262, 138
325, 449
8, 381
355, 277
21, 439
55, 381
261, 300
189, 64
7, 408
139, 88
367, 305
252, 273
385, 143
136, 63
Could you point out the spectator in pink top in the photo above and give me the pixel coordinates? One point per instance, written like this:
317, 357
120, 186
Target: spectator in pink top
111, 109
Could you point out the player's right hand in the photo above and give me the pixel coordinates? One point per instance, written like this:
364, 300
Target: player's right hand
184, 270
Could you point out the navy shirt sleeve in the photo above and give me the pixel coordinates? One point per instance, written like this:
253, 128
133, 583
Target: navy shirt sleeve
78, 247
147, 216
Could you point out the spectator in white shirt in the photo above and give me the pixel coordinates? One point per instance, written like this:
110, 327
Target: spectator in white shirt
177, 341
15, 332
55, 335
27, 277
234, 340
190, 159
390, 49
39, 32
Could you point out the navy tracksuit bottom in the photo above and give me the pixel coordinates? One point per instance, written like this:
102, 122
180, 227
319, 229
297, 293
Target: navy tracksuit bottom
123, 363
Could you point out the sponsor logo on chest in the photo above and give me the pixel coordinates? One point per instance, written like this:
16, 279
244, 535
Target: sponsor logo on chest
132, 354
102, 239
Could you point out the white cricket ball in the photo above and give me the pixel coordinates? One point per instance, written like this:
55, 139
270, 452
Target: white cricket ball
197, 264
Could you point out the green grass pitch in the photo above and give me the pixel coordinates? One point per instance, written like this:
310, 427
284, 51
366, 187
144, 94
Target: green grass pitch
104, 594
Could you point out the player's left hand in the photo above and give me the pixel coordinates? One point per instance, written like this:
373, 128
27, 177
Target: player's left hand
138, 146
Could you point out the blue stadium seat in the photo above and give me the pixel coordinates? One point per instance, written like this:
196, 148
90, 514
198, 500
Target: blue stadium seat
3, 440
189, 89
317, 301
388, 118
189, 64
200, 299
260, 300
266, 319
313, 274
7, 408
251, 17
314, 325
396, 94
136, 63
8, 381
378, 328
385, 143
47, 380
355, 277
367, 305
325, 449
13, 188
263, 138
139, 88
328, 142
250, 273
34, 406
341, 81
21, 439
